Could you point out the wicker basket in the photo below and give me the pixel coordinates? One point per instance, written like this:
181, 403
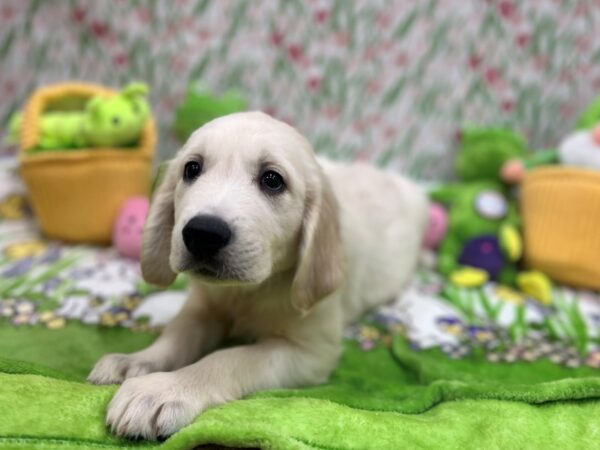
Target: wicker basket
561, 220
76, 194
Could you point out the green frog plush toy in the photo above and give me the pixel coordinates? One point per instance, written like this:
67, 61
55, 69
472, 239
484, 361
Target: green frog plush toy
483, 241
200, 106
115, 121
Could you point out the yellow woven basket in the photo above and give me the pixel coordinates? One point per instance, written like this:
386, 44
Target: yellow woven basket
76, 194
561, 215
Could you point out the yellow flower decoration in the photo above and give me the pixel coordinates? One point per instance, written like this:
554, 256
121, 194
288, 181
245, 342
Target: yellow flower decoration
56, 324
131, 302
536, 285
24, 249
47, 316
369, 333
469, 277
12, 207
484, 336
108, 319
511, 242
455, 329
510, 295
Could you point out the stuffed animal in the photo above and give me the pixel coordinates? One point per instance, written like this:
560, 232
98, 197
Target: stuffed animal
115, 121
477, 212
127, 232
483, 242
436, 226
201, 106
497, 154
581, 149
484, 151
513, 171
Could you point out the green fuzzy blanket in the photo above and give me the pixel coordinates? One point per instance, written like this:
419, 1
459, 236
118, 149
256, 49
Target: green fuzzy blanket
388, 397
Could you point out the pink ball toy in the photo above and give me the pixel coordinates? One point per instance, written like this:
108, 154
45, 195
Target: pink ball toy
437, 226
127, 232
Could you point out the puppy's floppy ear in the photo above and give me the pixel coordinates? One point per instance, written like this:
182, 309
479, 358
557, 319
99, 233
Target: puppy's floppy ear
156, 237
319, 269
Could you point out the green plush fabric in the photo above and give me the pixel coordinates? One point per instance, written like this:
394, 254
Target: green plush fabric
383, 398
67, 353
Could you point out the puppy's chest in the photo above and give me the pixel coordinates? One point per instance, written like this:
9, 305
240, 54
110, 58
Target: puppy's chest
255, 318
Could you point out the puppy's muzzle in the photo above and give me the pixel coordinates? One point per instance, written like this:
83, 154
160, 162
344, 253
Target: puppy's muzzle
205, 235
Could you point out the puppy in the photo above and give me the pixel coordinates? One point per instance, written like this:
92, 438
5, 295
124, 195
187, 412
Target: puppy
280, 248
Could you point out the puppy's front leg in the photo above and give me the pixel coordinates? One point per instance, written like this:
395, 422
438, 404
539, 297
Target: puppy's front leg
159, 404
192, 333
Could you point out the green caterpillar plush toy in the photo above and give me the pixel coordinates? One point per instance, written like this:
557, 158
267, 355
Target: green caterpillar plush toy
115, 121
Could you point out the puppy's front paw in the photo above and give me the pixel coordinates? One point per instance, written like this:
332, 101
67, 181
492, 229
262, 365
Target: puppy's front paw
151, 407
116, 367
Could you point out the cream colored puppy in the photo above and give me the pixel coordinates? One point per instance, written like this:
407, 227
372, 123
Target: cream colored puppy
281, 248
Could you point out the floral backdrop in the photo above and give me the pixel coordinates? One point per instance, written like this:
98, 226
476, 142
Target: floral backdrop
386, 81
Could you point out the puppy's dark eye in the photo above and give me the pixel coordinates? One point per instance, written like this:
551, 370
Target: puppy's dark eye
192, 170
272, 182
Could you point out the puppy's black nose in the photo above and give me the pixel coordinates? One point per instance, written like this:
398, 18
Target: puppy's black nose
204, 236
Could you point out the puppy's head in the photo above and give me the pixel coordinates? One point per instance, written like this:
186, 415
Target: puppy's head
245, 199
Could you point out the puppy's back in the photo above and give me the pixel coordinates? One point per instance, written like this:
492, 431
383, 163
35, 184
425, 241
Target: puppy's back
383, 218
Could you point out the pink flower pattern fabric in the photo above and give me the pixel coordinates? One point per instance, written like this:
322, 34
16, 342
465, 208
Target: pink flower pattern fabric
385, 81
